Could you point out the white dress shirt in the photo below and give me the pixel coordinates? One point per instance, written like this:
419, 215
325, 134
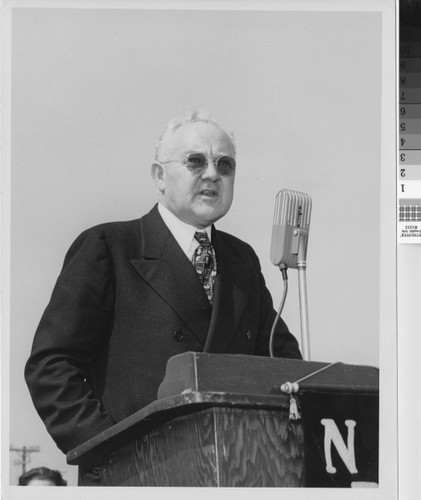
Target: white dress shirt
182, 232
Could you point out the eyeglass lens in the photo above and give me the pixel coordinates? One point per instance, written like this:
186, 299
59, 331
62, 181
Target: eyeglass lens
196, 162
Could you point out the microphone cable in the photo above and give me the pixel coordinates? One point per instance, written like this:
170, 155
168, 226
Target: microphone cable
283, 268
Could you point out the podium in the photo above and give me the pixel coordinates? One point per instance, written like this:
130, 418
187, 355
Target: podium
222, 420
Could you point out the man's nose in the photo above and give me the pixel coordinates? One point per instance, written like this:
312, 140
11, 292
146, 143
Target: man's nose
211, 172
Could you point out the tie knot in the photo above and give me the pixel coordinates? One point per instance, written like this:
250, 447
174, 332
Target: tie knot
202, 238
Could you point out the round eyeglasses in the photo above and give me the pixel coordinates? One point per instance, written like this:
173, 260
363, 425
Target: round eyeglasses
197, 163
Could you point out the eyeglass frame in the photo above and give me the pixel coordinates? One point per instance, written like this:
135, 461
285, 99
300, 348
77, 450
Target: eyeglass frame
185, 161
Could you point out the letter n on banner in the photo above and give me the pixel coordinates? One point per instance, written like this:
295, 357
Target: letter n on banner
332, 436
341, 438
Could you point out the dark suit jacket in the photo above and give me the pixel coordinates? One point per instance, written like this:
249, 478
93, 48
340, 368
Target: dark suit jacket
128, 299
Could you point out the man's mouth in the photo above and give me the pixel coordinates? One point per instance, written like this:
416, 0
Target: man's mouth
208, 192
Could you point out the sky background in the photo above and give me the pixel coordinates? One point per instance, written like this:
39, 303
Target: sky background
92, 91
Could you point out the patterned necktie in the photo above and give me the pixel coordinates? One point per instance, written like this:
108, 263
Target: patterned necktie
205, 263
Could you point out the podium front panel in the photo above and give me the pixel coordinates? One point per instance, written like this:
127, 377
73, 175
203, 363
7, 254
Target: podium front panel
219, 446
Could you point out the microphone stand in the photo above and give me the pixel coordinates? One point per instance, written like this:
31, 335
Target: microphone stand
302, 290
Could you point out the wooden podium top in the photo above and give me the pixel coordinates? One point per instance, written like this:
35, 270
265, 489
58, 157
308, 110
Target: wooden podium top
195, 381
238, 373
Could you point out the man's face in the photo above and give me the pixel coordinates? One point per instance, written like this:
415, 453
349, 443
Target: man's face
199, 199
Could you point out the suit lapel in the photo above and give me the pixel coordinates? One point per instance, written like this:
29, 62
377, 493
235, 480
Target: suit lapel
166, 268
230, 299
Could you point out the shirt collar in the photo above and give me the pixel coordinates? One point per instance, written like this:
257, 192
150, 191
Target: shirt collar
182, 232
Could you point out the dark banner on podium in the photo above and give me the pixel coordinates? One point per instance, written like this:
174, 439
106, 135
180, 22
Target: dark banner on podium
341, 435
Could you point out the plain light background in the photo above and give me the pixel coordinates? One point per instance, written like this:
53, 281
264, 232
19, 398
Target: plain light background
93, 89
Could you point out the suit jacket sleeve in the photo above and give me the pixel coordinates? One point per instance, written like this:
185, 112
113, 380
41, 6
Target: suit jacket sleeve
72, 330
285, 344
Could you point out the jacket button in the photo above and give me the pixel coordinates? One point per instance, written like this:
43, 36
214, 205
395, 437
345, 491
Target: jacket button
248, 335
178, 335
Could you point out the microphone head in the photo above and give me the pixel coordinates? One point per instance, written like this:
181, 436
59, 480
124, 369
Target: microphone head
291, 223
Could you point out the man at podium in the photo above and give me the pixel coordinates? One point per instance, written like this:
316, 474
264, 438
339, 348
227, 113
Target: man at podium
133, 294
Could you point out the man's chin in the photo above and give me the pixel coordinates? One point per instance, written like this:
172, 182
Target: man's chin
208, 217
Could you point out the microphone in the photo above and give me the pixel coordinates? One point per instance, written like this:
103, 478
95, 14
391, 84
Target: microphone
291, 222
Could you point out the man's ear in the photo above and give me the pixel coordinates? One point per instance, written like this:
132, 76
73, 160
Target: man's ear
158, 175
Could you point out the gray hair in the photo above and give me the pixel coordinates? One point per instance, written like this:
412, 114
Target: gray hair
189, 116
